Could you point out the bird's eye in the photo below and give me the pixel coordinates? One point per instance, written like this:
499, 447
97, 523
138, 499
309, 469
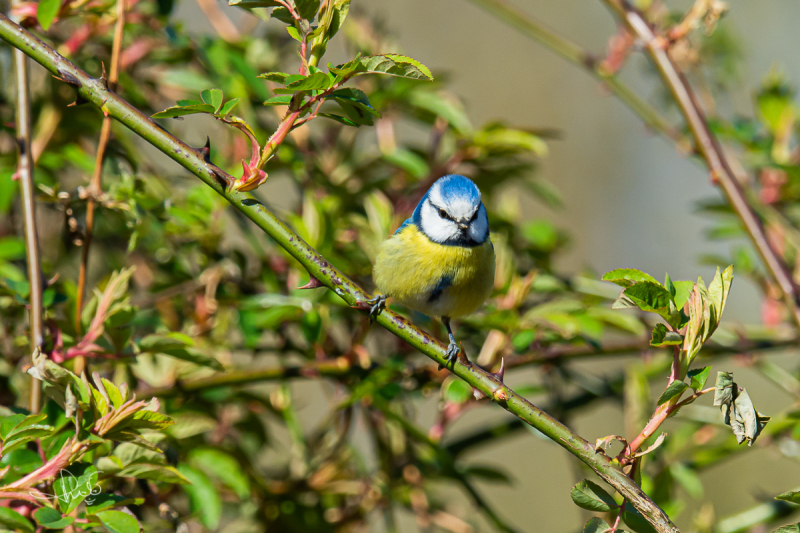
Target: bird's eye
474, 216
443, 213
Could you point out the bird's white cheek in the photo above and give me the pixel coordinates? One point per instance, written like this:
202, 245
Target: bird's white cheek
435, 227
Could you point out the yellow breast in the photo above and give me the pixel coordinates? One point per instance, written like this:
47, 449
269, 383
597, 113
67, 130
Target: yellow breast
432, 278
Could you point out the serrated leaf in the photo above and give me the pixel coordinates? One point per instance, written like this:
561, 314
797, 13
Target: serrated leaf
281, 99
698, 377
277, 77
119, 522
13, 520
179, 111
391, 64
649, 296
212, 97
674, 389
588, 495
791, 496
50, 518
46, 12
316, 81
626, 277
663, 337
227, 107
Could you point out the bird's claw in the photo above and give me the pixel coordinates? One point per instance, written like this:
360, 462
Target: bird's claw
453, 350
377, 304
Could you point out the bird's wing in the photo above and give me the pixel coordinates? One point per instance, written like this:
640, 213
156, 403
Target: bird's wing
404, 225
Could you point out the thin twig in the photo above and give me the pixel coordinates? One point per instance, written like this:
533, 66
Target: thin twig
96, 183
709, 148
219, 21
95, 92
576, 55
25, 176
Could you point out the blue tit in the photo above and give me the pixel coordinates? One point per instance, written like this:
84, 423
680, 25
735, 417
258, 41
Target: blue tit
440, 261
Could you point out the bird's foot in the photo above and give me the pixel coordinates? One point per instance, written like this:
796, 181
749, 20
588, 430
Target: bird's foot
453, 350
377, 304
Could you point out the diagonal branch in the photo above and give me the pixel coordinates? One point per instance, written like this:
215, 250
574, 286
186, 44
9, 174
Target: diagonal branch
709, 148
97, 93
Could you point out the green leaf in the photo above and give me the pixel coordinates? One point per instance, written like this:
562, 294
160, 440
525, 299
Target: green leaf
674, 389
277, 77
688, 479
223, 467
307, 9
663, 337
314, 82
356, 104
205, 500
682, 291
119, 522
9, 423
13, 520
588, 495
105, 501
252, 4
212, 97
597, 525
457, 391
635, 520
51, 519
793, 528
281, 99
74, 484
391, 64
443, 106
698, 377
791, 496
649, 296
338, 118
227, 107
723, 389
626, 277
46, 12
165, 474
179, 111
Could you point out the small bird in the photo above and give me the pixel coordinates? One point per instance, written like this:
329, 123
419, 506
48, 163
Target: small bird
440, 261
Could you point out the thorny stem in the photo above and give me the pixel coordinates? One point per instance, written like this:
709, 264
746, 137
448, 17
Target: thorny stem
96, 93
96, 183
709, 148
25, 176
663, 412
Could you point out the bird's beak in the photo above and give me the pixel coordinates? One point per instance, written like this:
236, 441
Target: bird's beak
463, 226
